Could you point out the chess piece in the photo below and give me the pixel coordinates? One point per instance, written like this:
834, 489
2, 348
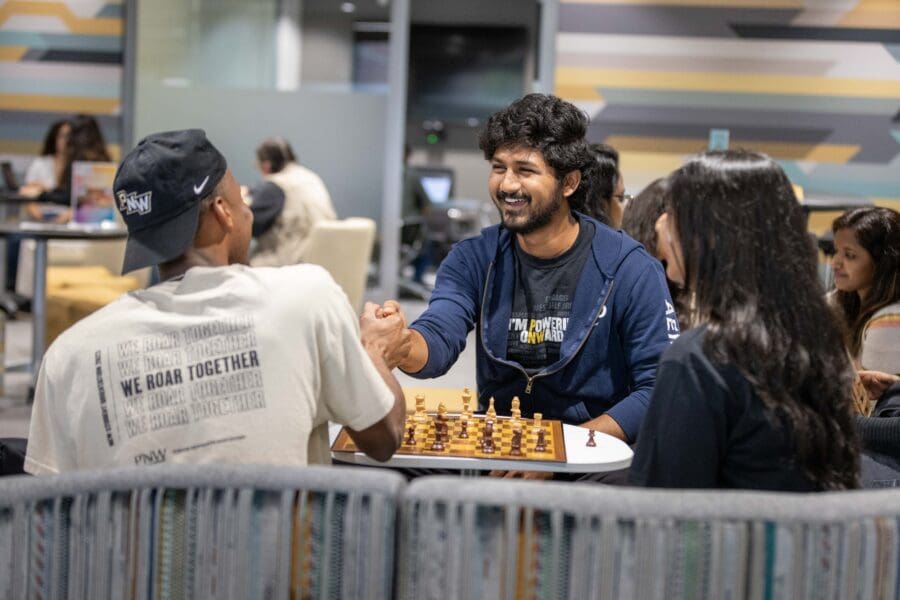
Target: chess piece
591, 443
491, 411
537, 420
516, 443
516, 411
410, 435
487, 440
463, 427
443, 430
438, 443
419, 416
442, 419
466, 400
541, 445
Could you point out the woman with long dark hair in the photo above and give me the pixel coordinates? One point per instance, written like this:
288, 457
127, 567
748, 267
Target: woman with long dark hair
867, 285
757, 395
45, 171
85, 143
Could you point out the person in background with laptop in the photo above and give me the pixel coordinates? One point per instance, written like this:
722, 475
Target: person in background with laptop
84, 143
43, 174
286, 205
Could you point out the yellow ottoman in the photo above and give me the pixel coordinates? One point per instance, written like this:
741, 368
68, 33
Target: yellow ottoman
75, 292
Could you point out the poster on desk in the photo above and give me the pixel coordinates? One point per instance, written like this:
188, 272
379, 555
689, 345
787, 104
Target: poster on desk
92, 192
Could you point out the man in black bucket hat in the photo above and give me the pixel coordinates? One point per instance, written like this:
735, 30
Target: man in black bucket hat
219, 362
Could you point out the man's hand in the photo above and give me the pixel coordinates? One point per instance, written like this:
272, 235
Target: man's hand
416, 358
390, 308
877, 382
386, 336
532, 475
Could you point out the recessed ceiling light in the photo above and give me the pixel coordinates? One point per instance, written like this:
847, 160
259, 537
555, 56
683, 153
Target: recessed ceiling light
348, 7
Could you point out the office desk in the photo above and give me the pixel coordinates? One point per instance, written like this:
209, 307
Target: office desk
41, 233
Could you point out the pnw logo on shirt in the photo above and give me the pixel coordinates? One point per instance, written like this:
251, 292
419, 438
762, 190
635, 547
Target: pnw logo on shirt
134, 203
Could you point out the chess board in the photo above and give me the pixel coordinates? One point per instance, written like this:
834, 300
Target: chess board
471, 447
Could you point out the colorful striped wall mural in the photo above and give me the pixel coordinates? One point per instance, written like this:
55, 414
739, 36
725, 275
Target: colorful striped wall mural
814, 83
58, 58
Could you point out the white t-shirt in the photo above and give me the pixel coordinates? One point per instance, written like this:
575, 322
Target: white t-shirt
42, 170
224, 365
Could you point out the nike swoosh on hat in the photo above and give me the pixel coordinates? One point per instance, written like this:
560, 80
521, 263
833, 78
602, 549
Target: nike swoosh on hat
199, 188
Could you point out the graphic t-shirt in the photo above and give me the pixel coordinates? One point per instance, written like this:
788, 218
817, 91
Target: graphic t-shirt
228, 364
542, 301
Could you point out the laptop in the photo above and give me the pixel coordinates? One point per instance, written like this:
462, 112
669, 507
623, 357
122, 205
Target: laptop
9, 176
437, 183
93, 203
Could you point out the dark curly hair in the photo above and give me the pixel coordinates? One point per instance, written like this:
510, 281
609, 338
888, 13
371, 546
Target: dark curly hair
752, 270
878, 231
553, 126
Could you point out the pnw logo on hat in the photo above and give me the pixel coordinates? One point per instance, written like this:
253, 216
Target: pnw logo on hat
133, 203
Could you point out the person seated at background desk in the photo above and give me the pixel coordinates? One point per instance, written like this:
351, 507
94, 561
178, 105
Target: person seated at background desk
45, 171
84, 142
866, 267
286, 206
571, 315
219, 362
758, 394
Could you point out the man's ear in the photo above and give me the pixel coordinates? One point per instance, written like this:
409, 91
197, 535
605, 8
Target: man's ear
570, 182
222, 212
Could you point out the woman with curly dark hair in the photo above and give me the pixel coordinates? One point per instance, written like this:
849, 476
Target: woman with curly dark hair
867, 285
757, 395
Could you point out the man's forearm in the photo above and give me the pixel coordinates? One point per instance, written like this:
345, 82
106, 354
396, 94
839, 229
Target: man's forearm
398, 412
418, 354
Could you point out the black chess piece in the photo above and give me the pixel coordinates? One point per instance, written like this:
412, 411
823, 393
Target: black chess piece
541, 445
516, 443
487, 441
591, 442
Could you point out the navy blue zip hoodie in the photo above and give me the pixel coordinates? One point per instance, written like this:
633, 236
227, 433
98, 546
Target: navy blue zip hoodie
621, 321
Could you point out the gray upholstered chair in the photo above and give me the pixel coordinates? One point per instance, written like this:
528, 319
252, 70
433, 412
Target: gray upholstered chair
509, 539
200, 531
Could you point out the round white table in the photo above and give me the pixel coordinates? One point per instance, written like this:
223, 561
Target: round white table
41, 233
610, 454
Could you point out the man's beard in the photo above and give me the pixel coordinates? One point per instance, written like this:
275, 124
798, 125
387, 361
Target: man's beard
536, 218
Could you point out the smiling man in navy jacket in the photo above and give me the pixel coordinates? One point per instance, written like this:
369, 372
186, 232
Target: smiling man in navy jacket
572, 316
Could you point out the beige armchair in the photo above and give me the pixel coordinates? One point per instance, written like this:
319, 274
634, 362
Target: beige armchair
344, 248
